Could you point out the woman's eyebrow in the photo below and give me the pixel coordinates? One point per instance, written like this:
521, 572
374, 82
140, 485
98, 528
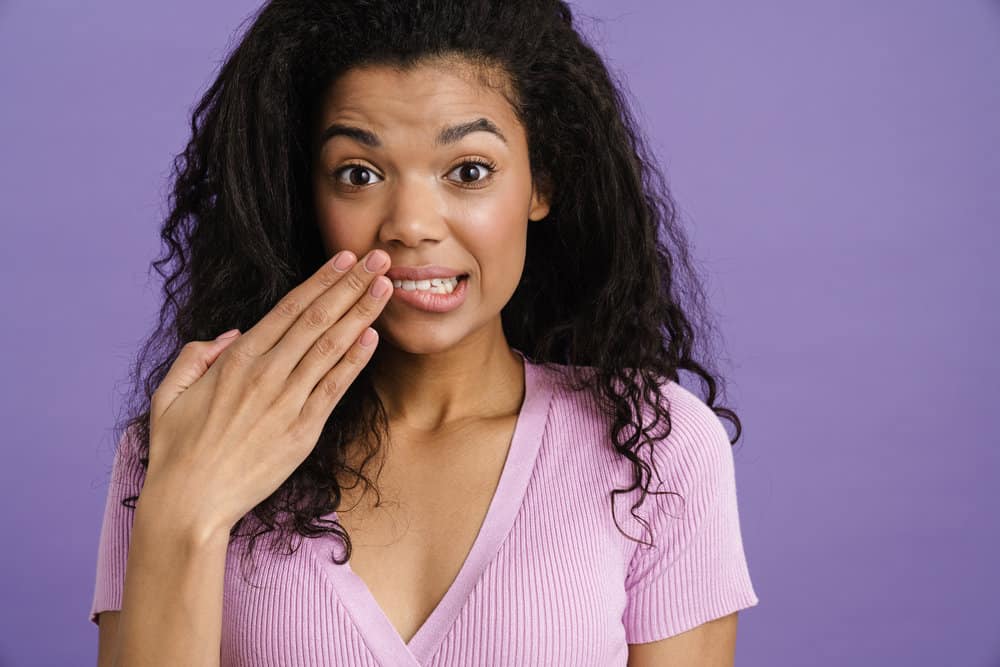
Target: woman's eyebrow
446, 136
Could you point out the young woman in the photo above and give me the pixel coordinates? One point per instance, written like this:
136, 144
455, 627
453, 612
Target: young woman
448, 258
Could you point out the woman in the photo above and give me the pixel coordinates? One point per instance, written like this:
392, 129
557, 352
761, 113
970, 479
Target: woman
466, 179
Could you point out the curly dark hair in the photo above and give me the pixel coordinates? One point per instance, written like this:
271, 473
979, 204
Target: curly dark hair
608, 283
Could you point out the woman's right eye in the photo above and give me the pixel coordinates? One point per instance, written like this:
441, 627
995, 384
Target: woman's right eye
358, 175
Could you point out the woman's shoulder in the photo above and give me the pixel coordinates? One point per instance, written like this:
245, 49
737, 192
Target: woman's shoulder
692, 422
576, 384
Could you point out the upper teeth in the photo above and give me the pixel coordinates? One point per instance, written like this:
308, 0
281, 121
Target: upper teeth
436, 285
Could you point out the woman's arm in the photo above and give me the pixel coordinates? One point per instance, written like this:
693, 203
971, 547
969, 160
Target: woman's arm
711, 644
172, 597
107, 637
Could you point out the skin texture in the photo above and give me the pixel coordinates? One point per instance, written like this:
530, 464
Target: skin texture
107, 637
711, 644
420, 204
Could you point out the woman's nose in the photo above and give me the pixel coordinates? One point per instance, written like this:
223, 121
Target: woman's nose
414, 213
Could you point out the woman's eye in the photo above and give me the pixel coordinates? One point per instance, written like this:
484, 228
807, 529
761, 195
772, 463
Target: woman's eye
477, 171
358, 175
473, 173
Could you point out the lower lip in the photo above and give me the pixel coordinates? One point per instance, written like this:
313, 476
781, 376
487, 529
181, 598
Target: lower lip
430, 302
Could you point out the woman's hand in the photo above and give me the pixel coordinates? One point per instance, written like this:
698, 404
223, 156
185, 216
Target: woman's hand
233, 418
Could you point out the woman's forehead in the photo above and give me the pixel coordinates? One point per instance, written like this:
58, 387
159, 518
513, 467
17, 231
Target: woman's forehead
377, 84
428, 99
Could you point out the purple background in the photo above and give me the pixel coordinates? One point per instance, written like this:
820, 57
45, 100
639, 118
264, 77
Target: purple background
837, 164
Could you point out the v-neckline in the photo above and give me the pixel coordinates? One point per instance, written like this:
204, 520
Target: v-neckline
372, 623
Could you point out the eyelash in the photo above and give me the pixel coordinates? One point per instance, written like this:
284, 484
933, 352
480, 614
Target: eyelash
490, 166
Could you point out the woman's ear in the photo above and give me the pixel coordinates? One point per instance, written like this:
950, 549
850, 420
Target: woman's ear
541, 198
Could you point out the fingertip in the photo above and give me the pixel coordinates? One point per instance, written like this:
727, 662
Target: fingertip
369, 337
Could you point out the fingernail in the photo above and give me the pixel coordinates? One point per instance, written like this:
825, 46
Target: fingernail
380, 287
375, 261
228, 334
343, 260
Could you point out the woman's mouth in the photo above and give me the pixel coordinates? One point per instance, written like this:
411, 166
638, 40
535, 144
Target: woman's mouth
438, 295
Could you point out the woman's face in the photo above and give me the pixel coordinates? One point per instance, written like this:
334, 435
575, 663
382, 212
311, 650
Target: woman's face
413, 190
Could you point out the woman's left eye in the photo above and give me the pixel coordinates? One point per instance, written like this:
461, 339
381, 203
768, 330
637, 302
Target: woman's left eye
475, 168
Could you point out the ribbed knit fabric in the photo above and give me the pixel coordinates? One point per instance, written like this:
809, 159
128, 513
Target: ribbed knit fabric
549, 581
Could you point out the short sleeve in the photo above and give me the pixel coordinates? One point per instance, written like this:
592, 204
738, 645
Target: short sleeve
697, 570
127, 475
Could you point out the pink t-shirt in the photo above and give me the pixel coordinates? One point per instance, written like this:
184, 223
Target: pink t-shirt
549, 580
